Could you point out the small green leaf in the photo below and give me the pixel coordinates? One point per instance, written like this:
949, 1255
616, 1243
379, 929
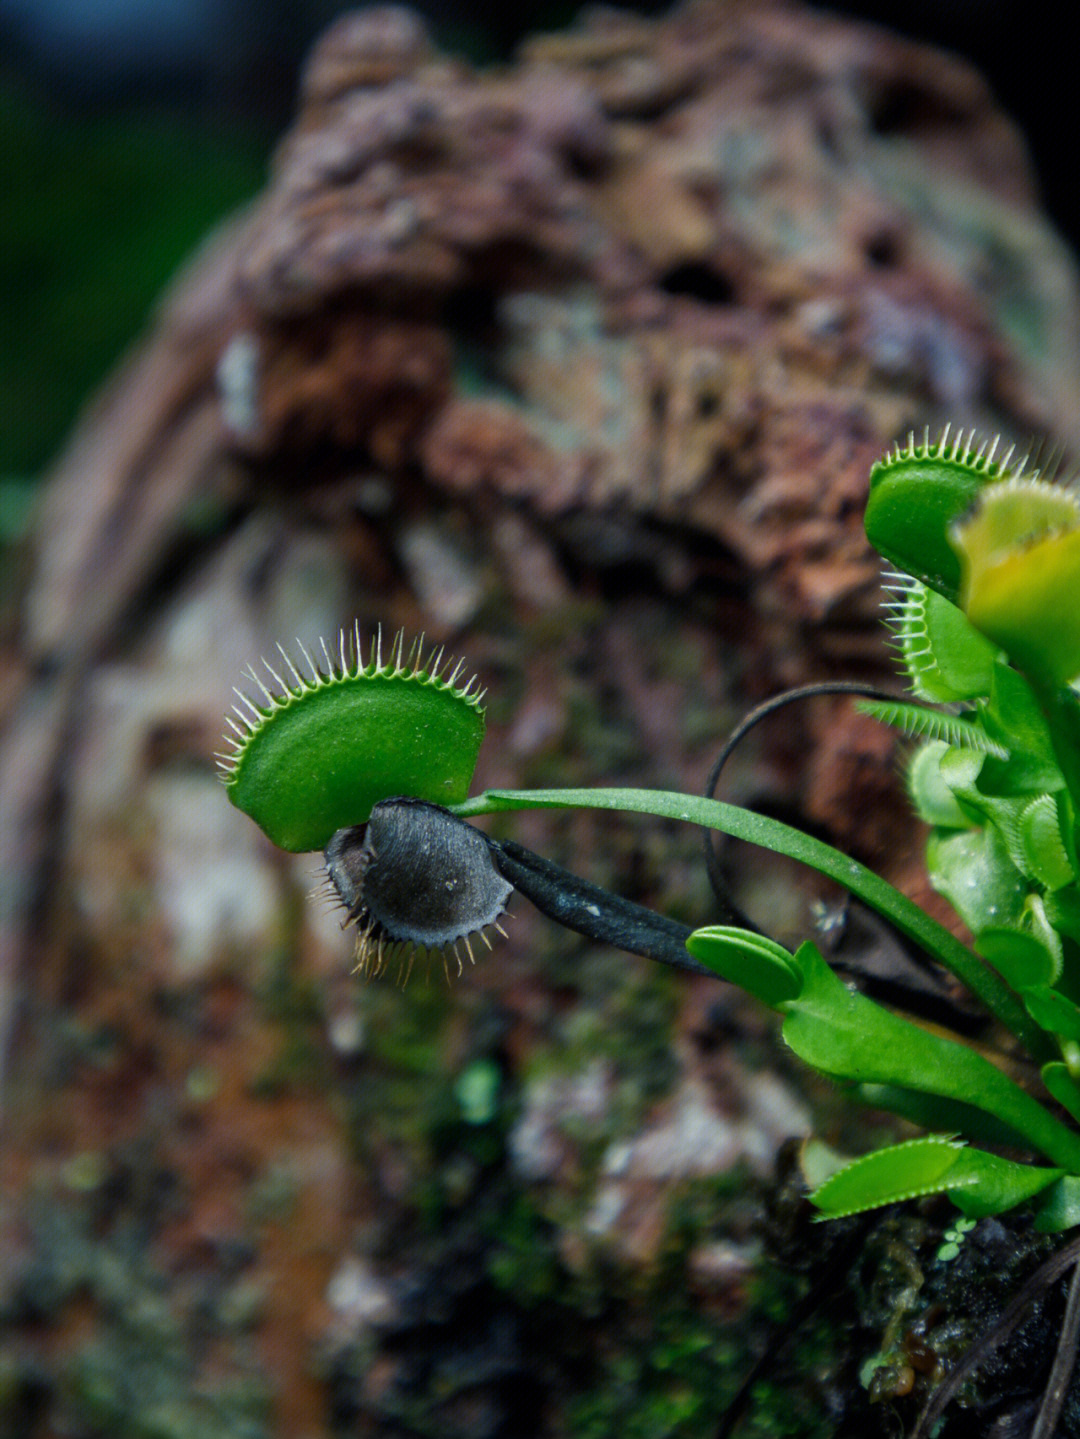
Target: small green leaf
1018, 955
978, 1183
902, 1171
973, 871
752, 961
933, 800
1042, 835
1003, 816
960, 767
953, 1240
1052, 1011
1039, 924
1060, 1207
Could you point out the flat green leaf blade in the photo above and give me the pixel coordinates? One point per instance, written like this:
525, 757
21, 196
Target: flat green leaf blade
1065, 1090
972, 869
849, 1036
942, 1116
984, 1183
1043, 835
1018, 955
981, 1183
1014, 716
1063, 911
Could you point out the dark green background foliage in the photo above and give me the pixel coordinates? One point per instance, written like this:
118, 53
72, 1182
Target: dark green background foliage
98, 212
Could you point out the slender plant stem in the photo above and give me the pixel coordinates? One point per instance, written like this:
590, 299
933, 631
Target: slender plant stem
736, 737
785, 839
1057, 1385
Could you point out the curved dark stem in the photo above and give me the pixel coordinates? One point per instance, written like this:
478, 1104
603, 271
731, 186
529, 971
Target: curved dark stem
600, 915
1057, 1385
592, 911
1044, 1276
801, 692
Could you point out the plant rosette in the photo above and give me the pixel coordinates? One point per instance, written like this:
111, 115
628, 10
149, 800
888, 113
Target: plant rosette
372, 762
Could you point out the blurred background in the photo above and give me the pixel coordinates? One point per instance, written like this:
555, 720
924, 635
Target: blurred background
127, 127
578, 367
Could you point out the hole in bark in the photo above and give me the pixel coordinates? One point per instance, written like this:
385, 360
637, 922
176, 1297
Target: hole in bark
904, 107
883, 249
698, 282
472, 310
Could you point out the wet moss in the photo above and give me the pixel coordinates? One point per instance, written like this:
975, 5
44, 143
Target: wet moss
498, 1335
624, 1011
890, 1302
522, 1257
670, 1368
413, 1099
934, 1290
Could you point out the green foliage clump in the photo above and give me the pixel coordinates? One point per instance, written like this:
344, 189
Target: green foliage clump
984, 618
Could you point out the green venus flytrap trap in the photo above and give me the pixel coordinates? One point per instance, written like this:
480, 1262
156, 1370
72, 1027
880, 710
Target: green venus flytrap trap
372, 763
319, 750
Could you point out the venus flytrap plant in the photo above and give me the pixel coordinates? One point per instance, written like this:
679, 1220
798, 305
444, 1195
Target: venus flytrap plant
372, 762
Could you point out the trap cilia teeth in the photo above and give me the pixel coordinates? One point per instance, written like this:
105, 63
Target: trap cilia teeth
358, 759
